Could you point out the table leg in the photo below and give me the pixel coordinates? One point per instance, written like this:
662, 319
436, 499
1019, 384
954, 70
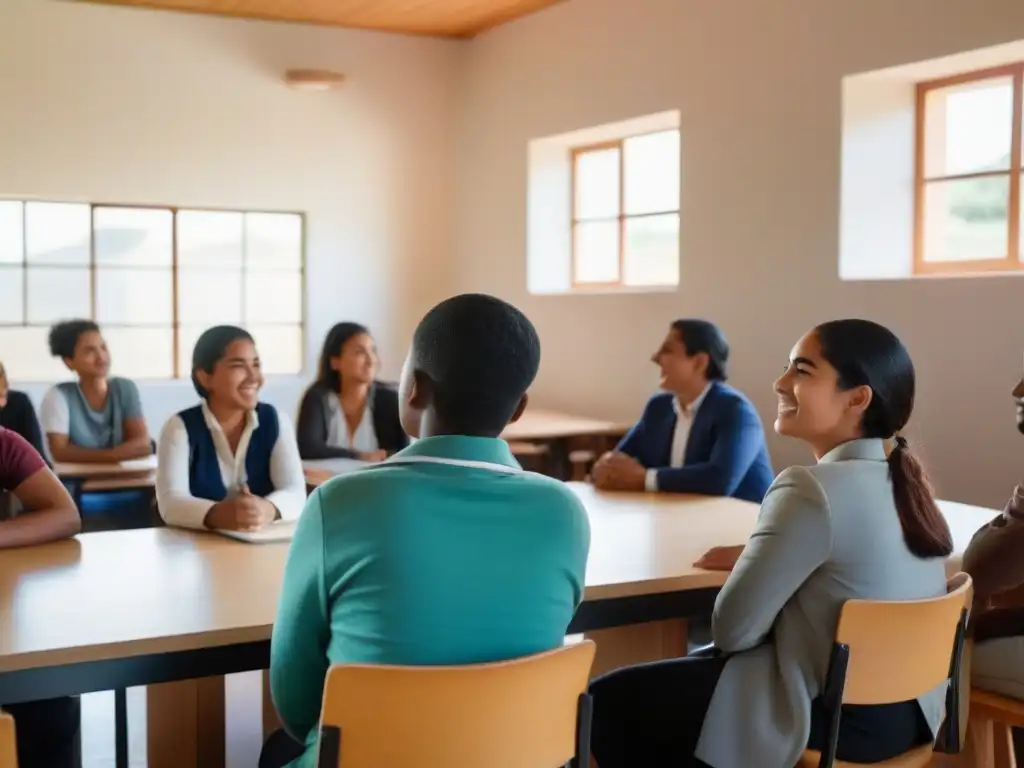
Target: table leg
638, 643
186, 724
121, 728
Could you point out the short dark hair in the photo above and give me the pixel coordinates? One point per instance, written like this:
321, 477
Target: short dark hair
334, 342
210, 347
65, 334
481, 354
866, 354
701, 336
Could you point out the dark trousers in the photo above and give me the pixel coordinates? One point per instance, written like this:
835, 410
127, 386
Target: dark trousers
652, 715
279, 750
48, 733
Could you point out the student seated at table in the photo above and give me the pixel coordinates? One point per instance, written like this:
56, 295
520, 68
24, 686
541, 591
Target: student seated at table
994, 560
447, 553
230, 462
346, 413
48, 730
858, 524
19, 415
97, 419
699, 435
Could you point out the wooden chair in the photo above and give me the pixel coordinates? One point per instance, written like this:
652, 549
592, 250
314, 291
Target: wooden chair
582, 462
532, 712
8, 746
535, 457
992, 718
891, 651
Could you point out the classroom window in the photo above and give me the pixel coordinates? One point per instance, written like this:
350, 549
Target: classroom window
625, 212
153, 278
968, 212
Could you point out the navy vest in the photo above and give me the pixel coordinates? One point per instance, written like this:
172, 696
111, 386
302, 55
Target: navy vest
204, 478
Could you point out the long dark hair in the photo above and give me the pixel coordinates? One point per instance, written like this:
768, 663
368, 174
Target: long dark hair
334, 342
867, 354
210, 348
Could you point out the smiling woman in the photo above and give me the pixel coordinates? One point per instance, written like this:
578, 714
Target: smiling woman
231, 462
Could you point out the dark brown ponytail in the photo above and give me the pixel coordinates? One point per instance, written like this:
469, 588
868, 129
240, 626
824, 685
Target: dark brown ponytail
925, 530
866, 354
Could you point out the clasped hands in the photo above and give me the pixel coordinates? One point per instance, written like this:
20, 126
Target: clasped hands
244, 512
619, 472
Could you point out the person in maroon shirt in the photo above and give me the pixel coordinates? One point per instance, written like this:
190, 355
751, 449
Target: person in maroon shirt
36, 509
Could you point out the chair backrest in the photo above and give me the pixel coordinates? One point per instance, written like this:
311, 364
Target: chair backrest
531, 712
900, 650
891, 651
8, 746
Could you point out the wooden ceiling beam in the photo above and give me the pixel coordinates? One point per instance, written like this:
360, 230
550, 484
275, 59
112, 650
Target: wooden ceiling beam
436, 18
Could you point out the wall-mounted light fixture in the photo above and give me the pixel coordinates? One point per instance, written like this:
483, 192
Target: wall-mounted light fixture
313, 79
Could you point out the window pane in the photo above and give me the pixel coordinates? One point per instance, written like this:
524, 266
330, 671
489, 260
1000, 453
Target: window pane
26, 355
597, 184
12, 296
273, 297
968, 127
140, 353
133, 236
209, 296
187, 335
597, 252
57, 233
967, 219
651, 254
12, 238
652, 173
279, 347
134, 296
209, 238
57, 293
273, 241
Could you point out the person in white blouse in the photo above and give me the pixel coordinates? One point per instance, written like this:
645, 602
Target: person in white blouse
231, 462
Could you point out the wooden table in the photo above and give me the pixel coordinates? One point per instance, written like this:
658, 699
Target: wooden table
91, 478
541, 425
561, 434
127, 608
318, 471
121, 469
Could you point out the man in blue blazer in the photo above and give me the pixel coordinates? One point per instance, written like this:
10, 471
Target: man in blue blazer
699, 435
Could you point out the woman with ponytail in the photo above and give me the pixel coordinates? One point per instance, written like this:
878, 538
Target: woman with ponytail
860, 523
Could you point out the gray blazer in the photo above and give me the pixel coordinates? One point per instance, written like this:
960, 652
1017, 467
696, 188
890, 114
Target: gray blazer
825, 534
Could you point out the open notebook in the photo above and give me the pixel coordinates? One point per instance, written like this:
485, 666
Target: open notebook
279, 531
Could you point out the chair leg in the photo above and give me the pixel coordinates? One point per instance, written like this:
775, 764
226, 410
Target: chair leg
978, 748
1002, 738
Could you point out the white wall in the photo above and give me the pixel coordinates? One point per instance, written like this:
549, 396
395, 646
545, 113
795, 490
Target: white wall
122, 106
758, 85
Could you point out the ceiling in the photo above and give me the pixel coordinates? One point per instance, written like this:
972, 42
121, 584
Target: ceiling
444, 18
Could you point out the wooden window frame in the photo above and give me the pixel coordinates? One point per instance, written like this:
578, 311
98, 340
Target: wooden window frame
622, 217
1013, 261
175, 324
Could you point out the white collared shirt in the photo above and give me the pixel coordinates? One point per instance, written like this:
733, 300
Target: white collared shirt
680, 438
362, 440
173, 493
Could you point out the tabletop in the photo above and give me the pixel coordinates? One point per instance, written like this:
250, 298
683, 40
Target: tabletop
135, 467
319, 471
537, 424
124, 593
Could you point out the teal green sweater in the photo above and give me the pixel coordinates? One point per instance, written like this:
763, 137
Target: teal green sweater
421, 562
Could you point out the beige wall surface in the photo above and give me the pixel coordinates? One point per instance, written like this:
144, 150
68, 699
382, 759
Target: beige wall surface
123, 106
759, 88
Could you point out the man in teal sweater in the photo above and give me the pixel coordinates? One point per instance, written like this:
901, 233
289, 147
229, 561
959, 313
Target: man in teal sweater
448, 553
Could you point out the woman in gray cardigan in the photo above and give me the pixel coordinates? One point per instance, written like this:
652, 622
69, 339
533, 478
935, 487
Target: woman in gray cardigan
858, 524
346, 413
